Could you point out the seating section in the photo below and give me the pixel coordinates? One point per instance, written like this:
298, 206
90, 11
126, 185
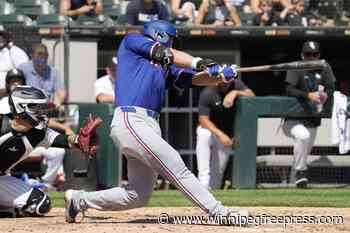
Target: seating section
45, 12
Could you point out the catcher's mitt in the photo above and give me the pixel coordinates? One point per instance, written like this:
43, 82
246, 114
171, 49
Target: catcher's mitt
87, 138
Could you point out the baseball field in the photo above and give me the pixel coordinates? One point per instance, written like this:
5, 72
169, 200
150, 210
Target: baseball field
274, 210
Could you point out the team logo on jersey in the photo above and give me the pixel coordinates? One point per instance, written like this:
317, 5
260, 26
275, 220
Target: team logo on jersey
13, 149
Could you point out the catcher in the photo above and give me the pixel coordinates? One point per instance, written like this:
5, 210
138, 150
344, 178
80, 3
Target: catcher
29, 107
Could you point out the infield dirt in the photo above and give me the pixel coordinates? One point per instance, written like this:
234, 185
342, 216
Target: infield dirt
145, 220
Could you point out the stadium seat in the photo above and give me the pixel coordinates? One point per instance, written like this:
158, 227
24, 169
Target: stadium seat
114, 13
6, 8
55, 4
34, 8
246, 18
55, 19
15, 19
330, 8
112, 8
122, 20
99, 20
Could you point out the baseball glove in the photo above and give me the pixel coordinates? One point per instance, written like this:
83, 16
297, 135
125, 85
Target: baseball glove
87, 138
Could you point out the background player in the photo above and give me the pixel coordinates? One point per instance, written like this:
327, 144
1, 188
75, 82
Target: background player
28, 124
52, 174
11, 57
305, 86
147, 66
215, 130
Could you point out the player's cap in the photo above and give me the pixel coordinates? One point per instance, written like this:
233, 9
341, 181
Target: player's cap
311, 47
161, 31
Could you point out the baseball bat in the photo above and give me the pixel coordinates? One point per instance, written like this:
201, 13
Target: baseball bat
296, 65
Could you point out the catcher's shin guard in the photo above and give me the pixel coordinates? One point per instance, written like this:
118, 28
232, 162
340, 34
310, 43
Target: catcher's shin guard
37, 204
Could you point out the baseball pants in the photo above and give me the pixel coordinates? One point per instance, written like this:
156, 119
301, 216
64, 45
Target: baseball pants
14, 193
212, 158
53, 157
304, 139
148, 154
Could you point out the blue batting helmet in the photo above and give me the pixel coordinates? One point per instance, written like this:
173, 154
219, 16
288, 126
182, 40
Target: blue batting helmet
161, 31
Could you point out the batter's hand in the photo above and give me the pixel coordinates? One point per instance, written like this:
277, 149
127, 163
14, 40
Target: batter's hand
215, 70
229, 99
229, 73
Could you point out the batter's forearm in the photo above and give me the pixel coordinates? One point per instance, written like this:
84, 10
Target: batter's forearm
182, 59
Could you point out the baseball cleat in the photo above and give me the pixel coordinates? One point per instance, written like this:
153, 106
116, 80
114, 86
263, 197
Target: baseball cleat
238, 217
70, 211
301, 179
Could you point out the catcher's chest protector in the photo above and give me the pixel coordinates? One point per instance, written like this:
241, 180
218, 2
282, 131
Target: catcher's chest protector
16, 147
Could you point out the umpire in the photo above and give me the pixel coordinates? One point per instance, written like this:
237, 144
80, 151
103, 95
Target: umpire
314, 87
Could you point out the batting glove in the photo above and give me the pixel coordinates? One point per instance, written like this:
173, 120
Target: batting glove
215, 70
229, 73
199, 64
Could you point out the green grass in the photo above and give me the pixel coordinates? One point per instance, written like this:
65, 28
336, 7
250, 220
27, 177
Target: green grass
260, 197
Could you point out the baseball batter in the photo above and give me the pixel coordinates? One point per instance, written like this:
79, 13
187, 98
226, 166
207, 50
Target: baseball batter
29, 107
305, 85
147, 67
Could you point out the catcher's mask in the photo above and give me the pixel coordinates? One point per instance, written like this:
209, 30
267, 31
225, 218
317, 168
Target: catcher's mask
29, 104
